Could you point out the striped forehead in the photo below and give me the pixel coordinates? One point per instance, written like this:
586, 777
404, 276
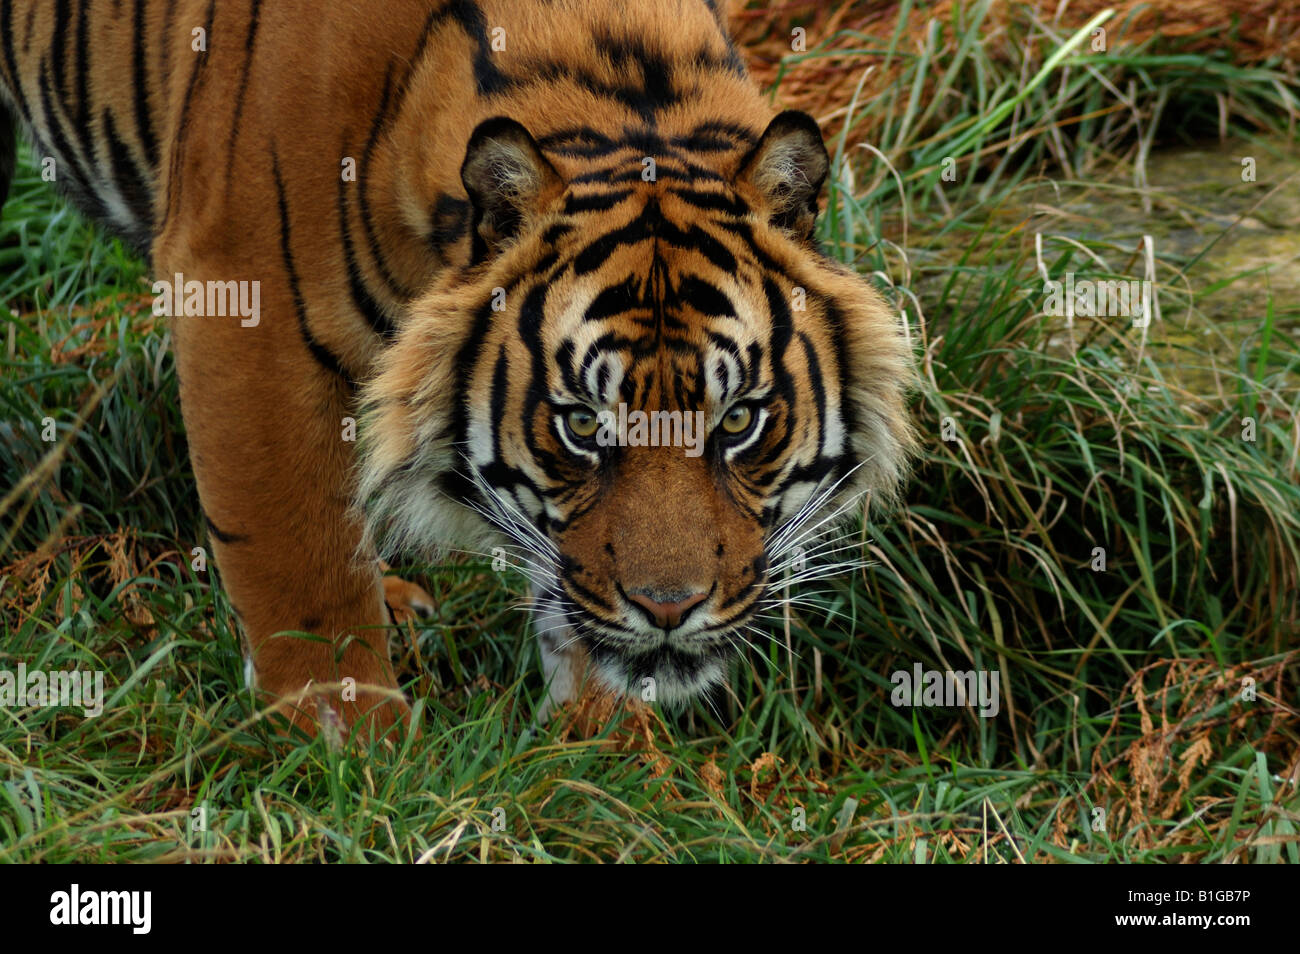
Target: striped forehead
645, 318
601, 367
601, 376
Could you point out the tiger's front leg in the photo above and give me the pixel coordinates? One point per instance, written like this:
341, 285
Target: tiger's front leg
265, 417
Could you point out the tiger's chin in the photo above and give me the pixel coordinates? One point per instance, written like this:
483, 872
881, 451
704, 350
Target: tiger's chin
666, 674
668, 670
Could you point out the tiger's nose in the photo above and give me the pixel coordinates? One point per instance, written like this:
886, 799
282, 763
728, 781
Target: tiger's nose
665, 614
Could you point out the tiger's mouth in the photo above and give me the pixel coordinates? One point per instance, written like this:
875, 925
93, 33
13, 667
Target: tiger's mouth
666, 667
668, 674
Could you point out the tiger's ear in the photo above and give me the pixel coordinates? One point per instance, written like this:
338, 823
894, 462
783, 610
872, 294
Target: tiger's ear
507, 180
788, 167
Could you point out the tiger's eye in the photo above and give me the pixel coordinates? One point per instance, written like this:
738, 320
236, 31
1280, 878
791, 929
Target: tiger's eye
582, 423
738, 419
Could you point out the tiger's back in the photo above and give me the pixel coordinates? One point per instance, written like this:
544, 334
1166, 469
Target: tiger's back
385, 177
132, 102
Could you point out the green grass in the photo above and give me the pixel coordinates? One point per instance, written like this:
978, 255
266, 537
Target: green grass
1122, 689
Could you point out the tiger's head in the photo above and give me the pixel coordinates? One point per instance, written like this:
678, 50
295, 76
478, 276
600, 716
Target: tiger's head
645, 382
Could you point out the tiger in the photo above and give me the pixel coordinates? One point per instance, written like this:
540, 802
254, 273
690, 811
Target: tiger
482, 234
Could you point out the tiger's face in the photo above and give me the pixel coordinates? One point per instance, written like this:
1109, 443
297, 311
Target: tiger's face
655, 391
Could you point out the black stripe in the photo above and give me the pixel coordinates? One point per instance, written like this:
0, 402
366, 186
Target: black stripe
555, 232
361, 296
722, 371
390, 107
500, 383
740, 229
646, 83
8, 134
457, 485
812, 473
543, 264
695, 172
703, 142
564, 361
610, 175
716, 136
532, 313
848, 409
378, 124
450, 221
10, 59
30, 27
589, 357
701, 241
567, 577
58, 51
581, 142
757, 578
751, 367
250, 40
666, 168
779, 337
599, 250
81, 63
713, 201
131, 183
818, 389
487, 78
323, 355
221, 535
704, 297
594, 201
614, 300
416, 59
629, 53
634, 96
182, 127
80, 190
645, 140
141, 79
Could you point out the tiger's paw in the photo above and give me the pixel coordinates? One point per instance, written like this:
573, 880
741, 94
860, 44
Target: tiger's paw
367, 717
355, 709
373, 715
406, 601
564, 665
